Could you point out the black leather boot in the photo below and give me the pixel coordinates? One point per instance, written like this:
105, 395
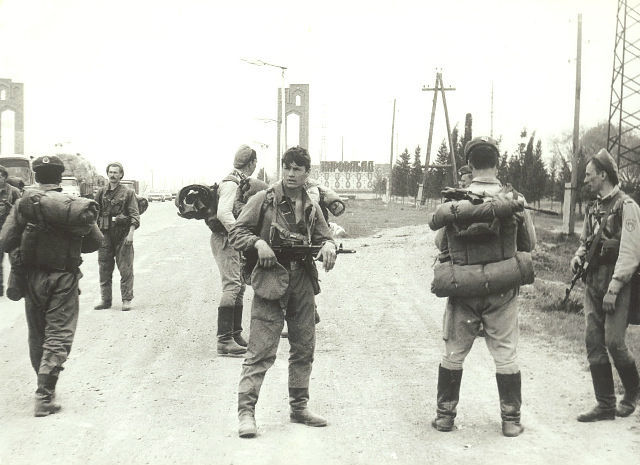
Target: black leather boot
300, 413
602, 378
237, 326
45, 394
631, 382
226, 343
246, 413
447, 399
510, 391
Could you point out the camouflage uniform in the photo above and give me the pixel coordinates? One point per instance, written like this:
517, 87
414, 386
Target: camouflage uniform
118, 211
8, 196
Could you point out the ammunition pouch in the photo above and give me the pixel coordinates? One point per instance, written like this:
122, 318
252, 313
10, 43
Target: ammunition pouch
44, 248
608, 254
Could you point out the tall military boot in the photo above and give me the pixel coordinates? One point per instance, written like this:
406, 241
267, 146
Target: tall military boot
447, 398
602, 378
510, 392
45, 394
246, 413
631, 382
237, 326
226, 344
300, 413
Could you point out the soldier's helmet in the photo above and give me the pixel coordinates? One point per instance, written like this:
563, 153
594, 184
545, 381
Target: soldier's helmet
51, 162
464, 169
481, 142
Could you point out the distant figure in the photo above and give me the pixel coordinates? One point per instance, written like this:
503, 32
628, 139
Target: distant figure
468, 246
610, 245
8, 196
50, 240
119, 218
465, 175
229, 261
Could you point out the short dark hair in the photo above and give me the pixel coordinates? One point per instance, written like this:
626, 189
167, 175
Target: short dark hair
483, 157
297, 155
48, 175
600, 167
3, 172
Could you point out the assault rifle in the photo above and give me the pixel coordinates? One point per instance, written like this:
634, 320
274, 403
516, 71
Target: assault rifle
299, 250
568, 290
454, 193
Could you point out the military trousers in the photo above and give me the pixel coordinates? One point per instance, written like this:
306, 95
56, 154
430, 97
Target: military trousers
498, 314
267, 321
1, 273
229, 264
51, 307
114, 251
606, 332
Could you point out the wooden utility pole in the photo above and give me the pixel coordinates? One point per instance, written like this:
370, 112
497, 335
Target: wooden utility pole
491, 132
576, 135
437, 87
393, 126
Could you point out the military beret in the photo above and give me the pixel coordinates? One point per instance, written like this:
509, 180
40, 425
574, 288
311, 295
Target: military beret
477, 142
270, 283
464, 169
243, 156
52, 161
605, 161
115, 163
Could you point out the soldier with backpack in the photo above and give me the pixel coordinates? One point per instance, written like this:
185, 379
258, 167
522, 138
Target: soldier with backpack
230, 340
49, 230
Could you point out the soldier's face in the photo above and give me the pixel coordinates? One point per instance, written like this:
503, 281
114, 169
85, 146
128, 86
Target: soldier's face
294, 176
465, 180
114, 174
592, 179
3, 180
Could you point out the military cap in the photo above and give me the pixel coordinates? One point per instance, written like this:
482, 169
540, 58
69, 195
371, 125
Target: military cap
115, 163
52, 161
270, 283
464, 169
243, 156
477, 142
605, 161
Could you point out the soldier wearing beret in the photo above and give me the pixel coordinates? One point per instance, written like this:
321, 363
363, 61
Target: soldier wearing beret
614, 219
49, 255
8, 196
465, 176
284, 287
496, 312
119, 218
229, 261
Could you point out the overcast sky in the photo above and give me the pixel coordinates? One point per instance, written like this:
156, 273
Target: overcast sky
160, 85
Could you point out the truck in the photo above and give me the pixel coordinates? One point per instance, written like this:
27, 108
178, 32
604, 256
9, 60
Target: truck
19, 166
131, 184
70, 186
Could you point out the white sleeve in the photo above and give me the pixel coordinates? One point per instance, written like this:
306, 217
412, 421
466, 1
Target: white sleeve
226, 196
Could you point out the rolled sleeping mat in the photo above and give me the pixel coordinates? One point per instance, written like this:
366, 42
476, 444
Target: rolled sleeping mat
464, 211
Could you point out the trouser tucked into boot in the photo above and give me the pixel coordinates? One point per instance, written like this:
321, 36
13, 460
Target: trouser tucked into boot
447, 398
237, 326
631, 382
226, 344
300, 413
510, 391
602, 378
45, 394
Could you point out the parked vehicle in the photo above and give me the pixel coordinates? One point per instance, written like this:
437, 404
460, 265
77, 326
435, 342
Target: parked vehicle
155, 197
19, 166
70, 186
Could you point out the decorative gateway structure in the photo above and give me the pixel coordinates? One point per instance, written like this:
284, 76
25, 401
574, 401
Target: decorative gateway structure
350, 178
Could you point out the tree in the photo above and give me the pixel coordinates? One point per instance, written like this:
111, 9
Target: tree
415, 174
438, 178
401, 171
526, 170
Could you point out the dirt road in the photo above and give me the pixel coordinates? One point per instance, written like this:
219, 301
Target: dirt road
146, 386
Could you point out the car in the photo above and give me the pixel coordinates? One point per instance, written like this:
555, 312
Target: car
155, 197
167, 196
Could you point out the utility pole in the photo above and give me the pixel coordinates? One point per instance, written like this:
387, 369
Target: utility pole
438, 86
393, 125
491, 131
342, 148
576, 135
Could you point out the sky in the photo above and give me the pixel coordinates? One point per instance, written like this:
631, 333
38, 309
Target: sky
162, 85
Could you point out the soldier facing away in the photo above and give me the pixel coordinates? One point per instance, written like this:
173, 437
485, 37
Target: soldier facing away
610, 244
284, 285
49, 255
8, 196
119, 218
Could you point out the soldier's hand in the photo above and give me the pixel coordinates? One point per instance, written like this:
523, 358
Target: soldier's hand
576, 262
129, 239
266, 257
328, 254
609, 303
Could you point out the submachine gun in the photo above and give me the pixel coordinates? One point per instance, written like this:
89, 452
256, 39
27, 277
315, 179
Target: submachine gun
455, 193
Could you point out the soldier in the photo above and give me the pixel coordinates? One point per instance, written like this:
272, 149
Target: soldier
229, 261
496, 312
610, 252
50, 255
119, 218
284, 287
8, 196
465, 176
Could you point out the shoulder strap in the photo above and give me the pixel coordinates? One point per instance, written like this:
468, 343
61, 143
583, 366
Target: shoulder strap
596, 239
268, 198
